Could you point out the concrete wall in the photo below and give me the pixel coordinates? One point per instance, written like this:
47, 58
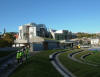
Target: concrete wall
37, 39
32, 32
22, 31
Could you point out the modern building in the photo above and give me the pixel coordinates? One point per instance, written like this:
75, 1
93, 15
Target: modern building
34, 34
28, 31
95, 41
39, 37
61, 34
64, 37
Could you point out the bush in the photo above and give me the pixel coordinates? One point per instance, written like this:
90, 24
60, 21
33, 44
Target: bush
5, 43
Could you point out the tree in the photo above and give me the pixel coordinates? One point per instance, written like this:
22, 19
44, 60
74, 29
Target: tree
3, 43
81, 34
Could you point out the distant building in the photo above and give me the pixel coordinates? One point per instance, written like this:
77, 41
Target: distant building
16, 36
95, 42
34, 35
31, 30
40, 39
61, 34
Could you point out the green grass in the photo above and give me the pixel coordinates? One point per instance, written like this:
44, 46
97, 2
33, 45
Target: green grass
51, 39
78, 56
38, 66
79, 69
95, 58
5, 53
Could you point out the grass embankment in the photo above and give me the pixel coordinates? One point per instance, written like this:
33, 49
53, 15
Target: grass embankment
5, 53
78, 56
38, 66
95, 58
79, 69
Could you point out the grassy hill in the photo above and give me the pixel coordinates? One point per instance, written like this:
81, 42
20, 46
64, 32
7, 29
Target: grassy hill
38, 66
95, 58
79, 69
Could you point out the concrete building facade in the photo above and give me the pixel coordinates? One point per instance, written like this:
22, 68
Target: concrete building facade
31, 30
95, 41
35, 35
61, 34
28, 31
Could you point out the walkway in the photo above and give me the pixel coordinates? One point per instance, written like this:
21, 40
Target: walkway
57, 64
7, 65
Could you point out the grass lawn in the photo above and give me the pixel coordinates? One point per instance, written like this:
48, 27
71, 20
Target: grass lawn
38, 66
5, 53
78, 56
79, 69
95, 58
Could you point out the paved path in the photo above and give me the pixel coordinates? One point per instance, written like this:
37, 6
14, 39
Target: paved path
7, 65
57, 64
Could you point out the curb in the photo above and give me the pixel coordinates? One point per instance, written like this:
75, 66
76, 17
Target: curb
84, 56
72, 56
57, 64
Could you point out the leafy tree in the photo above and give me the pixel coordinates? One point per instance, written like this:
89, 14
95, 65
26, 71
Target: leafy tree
81, 34
9, 37
3, 43
7, 40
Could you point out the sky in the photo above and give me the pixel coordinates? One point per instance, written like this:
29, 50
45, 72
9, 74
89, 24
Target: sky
72, 15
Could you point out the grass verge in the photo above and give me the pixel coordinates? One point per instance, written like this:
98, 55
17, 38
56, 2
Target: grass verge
38, 66
78, 56
95, 58
79, 69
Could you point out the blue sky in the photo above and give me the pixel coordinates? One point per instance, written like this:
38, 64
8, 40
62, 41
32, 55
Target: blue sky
74, 15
